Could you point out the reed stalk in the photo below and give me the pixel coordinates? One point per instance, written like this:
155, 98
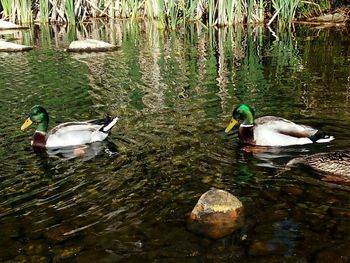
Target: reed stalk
171, 14
230, 12
124, 9
135, 8
211, 12
25, 13
7, 8
69, 11
261, 11
167, 13
250, 4
238, 7
44, 11
45, 35
160, 15
287, 9
221, 14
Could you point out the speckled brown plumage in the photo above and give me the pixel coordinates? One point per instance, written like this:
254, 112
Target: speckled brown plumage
332, 163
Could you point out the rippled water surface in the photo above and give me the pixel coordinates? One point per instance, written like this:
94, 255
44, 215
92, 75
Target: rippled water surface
127, 200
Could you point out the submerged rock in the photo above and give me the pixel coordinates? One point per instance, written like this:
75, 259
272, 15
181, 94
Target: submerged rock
216, 214
13, 47
9, 25
90, 45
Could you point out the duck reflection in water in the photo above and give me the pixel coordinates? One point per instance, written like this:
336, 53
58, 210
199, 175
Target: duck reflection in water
83, 152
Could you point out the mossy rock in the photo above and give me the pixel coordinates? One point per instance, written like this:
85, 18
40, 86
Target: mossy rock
216, 214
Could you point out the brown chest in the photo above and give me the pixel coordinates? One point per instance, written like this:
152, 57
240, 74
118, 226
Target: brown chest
246, 134
39, 140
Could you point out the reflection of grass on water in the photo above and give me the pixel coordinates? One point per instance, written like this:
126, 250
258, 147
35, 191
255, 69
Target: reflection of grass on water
229, 65
221, 60
283, 51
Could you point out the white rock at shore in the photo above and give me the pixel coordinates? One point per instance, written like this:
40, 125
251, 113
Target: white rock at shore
9, 25
90, 45
12, 47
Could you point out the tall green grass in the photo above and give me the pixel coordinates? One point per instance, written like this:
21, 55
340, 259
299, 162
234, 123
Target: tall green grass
24, 15
286, 9
308, 8
7, 8
44, 11
69, 11
166, 13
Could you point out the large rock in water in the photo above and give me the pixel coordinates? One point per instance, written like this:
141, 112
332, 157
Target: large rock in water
12, 47
90, 45
9, 25
216, 214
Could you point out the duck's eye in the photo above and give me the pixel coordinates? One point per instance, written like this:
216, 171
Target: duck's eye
238, 115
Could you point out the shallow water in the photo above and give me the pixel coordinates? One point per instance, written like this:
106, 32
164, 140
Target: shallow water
174, 93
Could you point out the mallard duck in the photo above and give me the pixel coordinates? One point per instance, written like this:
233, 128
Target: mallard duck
335, 163
271, 130
66, 134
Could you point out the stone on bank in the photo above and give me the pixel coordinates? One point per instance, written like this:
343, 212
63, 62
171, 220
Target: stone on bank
8, 25
12, 47
90, 45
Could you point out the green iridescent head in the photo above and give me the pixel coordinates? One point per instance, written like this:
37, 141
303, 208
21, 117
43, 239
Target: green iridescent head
242, 114
38, 115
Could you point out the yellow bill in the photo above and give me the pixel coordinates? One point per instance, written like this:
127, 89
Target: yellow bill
232, 123
26, 124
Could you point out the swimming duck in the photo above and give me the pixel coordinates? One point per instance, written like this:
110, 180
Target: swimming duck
66, 134
336, 163
271, 130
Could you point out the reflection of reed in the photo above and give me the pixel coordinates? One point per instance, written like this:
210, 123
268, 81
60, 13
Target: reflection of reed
217, 60
157, 70
202, 57
229, 43
224, 72
23, 37
348, 90
327, 80
150, 71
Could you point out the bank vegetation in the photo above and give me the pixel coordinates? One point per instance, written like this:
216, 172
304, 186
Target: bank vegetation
167, 13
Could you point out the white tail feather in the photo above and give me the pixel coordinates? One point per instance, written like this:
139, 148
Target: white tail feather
110, 125
323, 140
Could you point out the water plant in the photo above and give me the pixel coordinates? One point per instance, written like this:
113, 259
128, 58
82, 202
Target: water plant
7, 8
24, 13
167, 13
285, 9
44, 11
69, 10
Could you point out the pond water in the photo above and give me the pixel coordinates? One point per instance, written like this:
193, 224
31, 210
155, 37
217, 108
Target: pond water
174, 93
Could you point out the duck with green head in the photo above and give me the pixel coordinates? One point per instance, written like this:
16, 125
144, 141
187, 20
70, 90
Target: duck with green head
66, 134
271, 130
